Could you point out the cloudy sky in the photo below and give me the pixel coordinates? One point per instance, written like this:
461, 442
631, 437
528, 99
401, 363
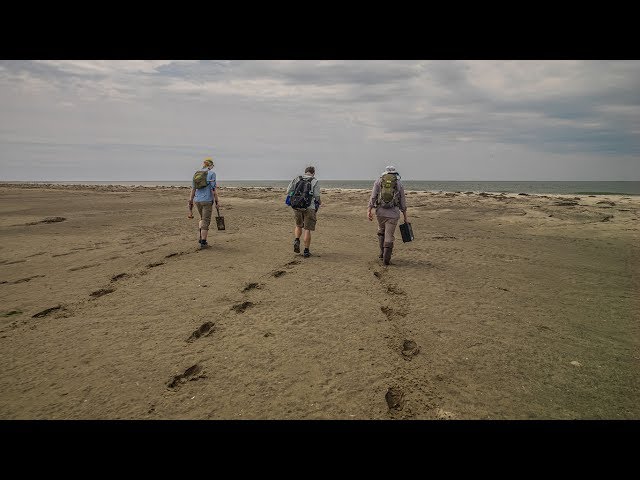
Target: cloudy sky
434, 120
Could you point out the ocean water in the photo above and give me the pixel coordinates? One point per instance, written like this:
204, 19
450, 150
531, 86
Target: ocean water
534, 187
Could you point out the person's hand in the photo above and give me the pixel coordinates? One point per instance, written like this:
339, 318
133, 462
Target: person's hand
406, 218
218, 204
369, 215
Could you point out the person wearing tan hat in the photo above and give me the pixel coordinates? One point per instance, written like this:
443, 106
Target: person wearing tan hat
387, 197
203, 197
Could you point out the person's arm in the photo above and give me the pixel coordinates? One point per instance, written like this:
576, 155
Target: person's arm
403, 202
193, 192
372, 199
316, 195
214, 187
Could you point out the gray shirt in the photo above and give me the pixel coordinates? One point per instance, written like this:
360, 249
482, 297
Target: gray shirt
393, 212
314, 186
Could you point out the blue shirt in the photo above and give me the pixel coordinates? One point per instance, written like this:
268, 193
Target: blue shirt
205, 194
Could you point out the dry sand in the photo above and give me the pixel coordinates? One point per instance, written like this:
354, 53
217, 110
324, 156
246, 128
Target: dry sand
503, 307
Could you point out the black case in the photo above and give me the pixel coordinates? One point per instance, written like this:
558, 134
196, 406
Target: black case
407, 232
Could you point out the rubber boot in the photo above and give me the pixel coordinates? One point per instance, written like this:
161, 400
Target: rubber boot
381, 241
386, 256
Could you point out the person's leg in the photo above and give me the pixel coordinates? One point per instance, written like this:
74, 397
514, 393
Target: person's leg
309, 226
389, 238
206, 221
297, 231
380, 233
199, 207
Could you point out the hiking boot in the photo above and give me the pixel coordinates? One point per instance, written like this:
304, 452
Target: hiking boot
203, 244
296, 245
387, 254
306, 253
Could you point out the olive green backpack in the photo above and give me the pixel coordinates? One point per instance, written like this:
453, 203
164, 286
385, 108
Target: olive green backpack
388, 196
200, 179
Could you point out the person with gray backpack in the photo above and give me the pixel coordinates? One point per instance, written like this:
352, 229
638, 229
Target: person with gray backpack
203, 192
303, 195
388, 198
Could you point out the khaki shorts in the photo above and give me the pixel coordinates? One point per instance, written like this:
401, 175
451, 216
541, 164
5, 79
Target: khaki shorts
306, 218
205, 209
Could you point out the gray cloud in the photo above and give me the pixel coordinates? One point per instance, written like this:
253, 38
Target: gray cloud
265, 119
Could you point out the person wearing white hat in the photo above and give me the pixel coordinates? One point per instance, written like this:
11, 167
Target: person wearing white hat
387, 197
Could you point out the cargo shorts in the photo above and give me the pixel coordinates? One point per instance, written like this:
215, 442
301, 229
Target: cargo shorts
205, 209
306, 218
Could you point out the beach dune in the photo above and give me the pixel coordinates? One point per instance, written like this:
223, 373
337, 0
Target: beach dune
505, 306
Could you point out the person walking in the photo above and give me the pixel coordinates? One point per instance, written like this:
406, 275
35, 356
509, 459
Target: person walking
387, 197
203, 194
303, 195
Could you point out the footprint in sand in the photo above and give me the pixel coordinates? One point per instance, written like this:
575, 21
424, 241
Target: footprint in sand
395, 290
409, 349
205, 330
156, 264
392, 313
251, 286
241, 307
395, 398
119, 276
102, 291
175, 254
278, 273
192, 373
46, 312
48, 220
292, 263
28, 279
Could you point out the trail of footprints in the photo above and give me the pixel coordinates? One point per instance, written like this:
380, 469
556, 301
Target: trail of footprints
195, 372
61, 310
395, 395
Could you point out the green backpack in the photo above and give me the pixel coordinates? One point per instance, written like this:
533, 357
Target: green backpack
200, 179
388, 196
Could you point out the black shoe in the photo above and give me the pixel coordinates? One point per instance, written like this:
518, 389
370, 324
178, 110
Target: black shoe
296, 245
203, 244
306, 253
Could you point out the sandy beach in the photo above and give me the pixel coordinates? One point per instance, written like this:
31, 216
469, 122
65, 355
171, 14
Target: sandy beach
505, 306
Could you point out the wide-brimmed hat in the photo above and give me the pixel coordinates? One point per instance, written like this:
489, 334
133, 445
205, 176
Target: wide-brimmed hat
389, 169
208, 161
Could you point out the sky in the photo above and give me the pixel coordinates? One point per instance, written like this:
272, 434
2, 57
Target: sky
144, 120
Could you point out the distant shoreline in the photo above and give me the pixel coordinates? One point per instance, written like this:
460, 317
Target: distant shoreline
133, 186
